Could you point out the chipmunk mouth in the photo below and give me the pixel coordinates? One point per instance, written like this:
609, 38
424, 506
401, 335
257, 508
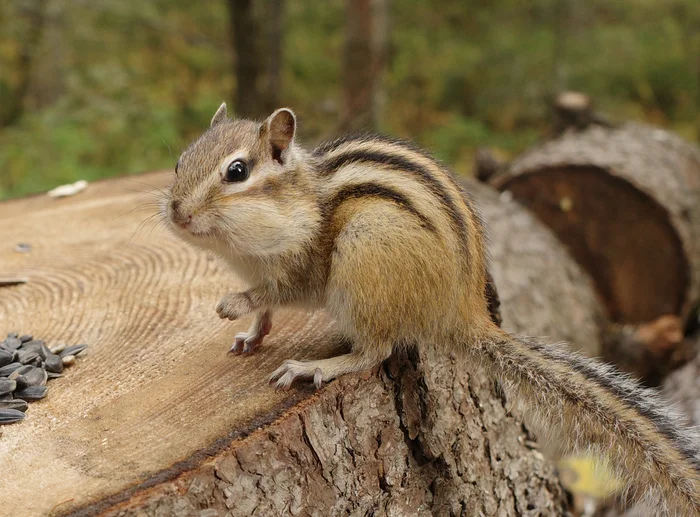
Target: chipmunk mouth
189, 229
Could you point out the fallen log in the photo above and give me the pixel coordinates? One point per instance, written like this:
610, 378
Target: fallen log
159, 420
626, 202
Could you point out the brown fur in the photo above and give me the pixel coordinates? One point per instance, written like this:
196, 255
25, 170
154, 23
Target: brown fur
379, 233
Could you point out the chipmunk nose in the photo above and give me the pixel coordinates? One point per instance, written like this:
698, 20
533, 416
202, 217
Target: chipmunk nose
186, 222
181, 219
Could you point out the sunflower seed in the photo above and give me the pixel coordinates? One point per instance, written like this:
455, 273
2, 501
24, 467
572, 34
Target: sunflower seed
22, 382
11, 343
6, 357
44, 352
73, 350
6, 370
52, 375
8, 416
33, 344
37, 346
7, 386
18, 404
32, 393
33, 376
25, 338
57, 349
53, 364
68, 360
6, 396
27, 356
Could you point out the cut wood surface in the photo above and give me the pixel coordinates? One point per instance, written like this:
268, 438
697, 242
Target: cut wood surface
157, 419
626, 202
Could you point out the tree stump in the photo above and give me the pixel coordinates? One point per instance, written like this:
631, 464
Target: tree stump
626, 202
159, 420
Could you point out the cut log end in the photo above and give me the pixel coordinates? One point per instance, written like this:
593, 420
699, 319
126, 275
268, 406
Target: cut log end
639, 274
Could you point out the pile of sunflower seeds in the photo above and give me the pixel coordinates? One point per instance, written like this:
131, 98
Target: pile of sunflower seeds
26, 364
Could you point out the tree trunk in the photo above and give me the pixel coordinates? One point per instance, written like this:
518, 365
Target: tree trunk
257, 32
35, 13
626, 202
273, 44
248, 63
159, 420
364, 61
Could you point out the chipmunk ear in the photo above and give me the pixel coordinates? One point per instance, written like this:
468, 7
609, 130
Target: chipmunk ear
219, 116
280, 128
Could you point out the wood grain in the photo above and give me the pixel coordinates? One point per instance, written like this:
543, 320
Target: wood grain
157, 385
626, 202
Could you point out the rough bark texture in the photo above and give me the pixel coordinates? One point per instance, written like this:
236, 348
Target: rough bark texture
542, 291
435, 441
158, 420
626, 202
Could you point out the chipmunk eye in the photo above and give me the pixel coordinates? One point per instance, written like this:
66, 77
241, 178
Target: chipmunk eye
236, 171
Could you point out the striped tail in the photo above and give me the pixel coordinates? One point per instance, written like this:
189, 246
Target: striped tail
593, 407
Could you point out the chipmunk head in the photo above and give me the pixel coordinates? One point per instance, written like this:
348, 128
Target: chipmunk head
242, 186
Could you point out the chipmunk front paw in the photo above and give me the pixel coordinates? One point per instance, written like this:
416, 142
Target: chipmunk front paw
247, 342
234, 306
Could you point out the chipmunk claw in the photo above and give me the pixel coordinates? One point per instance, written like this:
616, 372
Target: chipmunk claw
246, 343
291, 370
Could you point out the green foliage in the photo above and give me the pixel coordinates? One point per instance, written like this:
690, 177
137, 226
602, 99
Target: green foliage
116, 85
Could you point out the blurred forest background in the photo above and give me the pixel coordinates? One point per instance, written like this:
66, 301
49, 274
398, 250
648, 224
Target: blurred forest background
95, 88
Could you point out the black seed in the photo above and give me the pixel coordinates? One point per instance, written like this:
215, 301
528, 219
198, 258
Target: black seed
29, 376
18, 404
34, 344
7, 386
6, 357
52, 375
8, 416
27, 356
32, 393
9, 368
21, 380
12, 343
53, 364
72, 350
25, 338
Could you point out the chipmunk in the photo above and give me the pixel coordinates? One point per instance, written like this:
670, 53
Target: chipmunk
378, 233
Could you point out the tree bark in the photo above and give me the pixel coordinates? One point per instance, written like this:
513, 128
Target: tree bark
626, 202
248, 65
273, 44
257, 33
364, 61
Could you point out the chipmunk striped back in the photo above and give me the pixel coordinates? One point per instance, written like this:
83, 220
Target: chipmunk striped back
381, 167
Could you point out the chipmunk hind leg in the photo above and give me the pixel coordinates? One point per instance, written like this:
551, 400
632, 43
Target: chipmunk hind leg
361, 358
367, 265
